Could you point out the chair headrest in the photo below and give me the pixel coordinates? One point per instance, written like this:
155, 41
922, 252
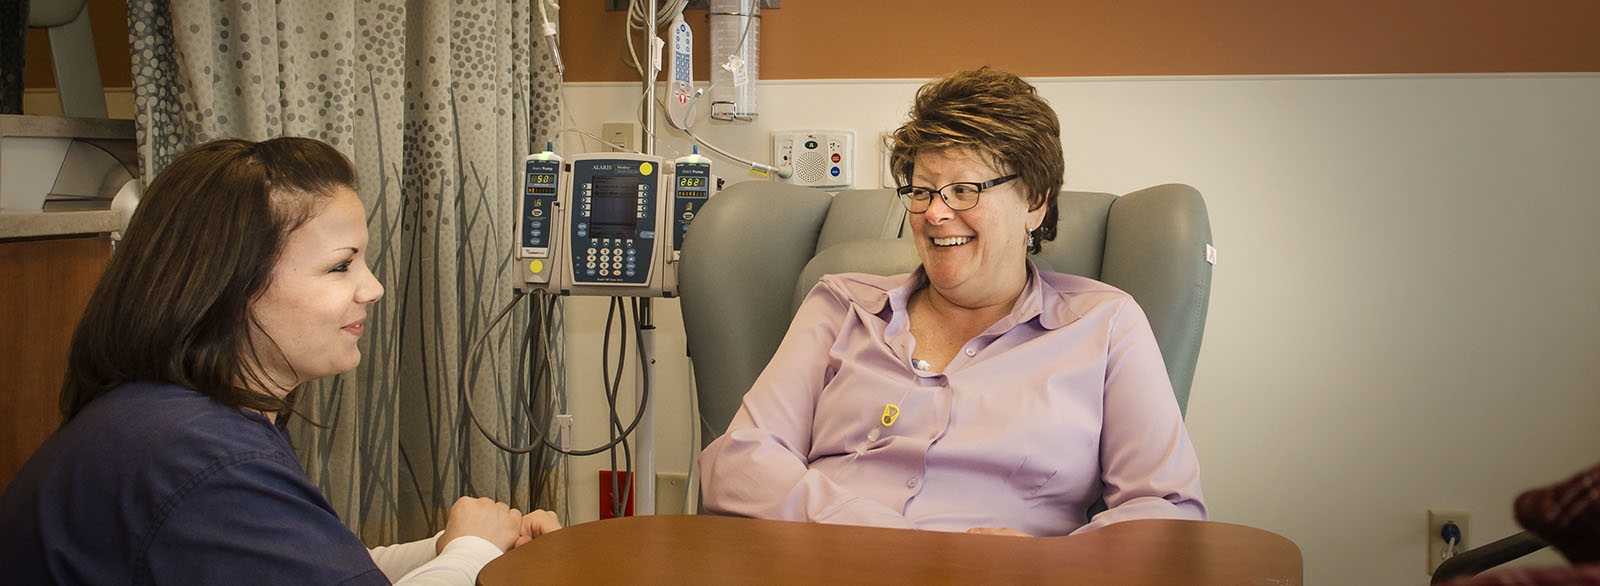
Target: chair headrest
881, 256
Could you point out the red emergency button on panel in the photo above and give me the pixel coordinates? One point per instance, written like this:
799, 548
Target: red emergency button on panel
836, 157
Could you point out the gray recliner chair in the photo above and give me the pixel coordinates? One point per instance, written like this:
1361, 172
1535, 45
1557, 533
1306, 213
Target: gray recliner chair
757, 248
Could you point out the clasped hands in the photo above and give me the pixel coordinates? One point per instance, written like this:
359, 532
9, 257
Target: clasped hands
505, 527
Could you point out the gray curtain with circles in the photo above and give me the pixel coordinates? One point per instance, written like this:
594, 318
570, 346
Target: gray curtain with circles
436, 102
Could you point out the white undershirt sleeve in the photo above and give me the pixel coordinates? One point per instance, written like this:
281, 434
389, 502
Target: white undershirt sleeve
414, 563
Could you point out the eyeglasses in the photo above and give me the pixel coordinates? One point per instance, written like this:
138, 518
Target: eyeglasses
961, 195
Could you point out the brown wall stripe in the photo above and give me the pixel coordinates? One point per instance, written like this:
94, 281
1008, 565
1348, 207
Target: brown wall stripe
845, 39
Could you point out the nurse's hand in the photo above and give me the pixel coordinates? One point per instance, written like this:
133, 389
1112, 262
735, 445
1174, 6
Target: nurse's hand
997, 531
481, 517
535, 524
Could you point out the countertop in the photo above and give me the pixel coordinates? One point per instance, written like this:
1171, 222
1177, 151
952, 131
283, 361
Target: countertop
15, 225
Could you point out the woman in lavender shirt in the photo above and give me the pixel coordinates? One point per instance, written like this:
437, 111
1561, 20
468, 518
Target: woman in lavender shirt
977, 393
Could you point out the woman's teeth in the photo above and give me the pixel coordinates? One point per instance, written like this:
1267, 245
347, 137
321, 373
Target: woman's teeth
952, 241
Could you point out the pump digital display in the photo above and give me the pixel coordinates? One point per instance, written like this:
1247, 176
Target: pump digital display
691, 182
616, 200
542, 179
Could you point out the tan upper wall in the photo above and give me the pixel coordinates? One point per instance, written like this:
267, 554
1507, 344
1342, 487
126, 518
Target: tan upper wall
821, 39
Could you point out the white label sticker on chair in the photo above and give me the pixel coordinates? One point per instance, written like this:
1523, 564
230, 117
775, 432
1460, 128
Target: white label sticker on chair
1211, 254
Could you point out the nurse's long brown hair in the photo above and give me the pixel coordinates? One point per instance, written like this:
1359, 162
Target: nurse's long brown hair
174, 303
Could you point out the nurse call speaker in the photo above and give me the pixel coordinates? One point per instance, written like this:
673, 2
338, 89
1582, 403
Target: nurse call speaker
817, 158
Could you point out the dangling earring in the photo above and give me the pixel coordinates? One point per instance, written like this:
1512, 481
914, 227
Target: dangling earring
1030, 239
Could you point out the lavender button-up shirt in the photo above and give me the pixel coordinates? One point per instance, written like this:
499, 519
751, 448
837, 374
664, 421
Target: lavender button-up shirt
1061, 402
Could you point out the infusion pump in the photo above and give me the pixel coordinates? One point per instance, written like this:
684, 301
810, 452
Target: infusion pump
607, 224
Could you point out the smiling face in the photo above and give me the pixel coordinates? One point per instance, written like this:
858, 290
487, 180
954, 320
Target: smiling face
312, 313
973, 257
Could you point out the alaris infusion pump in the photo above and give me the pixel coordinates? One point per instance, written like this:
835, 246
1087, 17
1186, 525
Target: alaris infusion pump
607, 224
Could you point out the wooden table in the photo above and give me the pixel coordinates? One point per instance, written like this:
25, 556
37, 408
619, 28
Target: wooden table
700, 549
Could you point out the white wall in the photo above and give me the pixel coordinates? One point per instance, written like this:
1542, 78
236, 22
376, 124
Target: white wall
1405, 312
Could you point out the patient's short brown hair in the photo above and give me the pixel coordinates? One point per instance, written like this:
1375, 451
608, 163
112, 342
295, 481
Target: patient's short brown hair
997, 115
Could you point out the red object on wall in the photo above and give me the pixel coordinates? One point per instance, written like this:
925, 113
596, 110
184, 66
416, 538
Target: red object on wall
623, 478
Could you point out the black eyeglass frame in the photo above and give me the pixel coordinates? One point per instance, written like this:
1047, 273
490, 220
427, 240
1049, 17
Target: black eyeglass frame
904, 193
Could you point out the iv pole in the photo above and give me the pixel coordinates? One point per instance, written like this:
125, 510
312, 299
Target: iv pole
644, 472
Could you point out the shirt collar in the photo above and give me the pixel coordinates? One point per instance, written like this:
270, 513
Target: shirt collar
1038, 300
874, 297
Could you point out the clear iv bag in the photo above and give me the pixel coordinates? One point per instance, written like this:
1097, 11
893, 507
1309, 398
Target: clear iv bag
735, 58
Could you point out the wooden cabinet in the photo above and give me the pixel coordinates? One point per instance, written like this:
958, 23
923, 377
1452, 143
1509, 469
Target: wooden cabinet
45, 284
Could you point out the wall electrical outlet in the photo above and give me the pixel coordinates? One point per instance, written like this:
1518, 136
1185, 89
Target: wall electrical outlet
622, 133
886, 172
1436, 545
670, 487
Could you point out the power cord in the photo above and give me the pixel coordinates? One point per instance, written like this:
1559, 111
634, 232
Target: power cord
1451, 534
472, 410
537, 408
619, 494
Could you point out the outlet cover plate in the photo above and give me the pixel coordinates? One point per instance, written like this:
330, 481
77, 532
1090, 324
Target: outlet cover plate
1436, 520
670, 487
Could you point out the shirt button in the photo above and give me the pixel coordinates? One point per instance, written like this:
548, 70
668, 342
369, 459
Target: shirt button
970, 351
911, 483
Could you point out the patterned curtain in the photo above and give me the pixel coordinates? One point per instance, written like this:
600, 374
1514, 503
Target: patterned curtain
436, 102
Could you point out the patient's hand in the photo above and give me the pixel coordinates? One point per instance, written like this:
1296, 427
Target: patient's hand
535, 524
997, 531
